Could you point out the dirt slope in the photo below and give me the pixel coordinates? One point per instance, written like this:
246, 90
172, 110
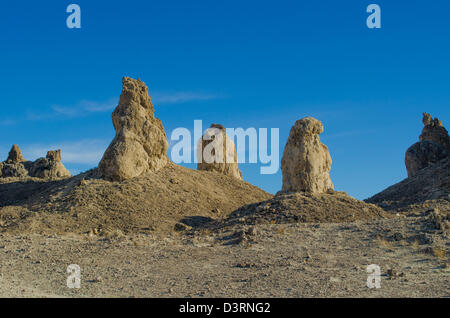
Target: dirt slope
431, 183
153, 202
335, 207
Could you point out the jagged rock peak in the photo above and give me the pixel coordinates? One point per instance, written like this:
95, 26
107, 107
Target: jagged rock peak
54, 155
15, 155
433, 130
433, 146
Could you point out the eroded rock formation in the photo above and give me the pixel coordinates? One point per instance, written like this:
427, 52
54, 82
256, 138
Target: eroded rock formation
15, 155
48, 168
306, 162
14, 166
217, 152
433, 146
140, 144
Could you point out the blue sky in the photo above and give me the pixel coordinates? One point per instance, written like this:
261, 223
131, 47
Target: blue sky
238, 63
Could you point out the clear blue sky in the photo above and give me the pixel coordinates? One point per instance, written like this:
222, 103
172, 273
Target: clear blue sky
238, 63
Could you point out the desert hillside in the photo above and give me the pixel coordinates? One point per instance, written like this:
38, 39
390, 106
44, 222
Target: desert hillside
155, 201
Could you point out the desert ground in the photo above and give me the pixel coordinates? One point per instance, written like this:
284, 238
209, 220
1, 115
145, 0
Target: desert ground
264, 260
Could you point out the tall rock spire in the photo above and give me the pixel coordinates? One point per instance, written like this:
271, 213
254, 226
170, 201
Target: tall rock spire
306, 162
140, 144
15, 155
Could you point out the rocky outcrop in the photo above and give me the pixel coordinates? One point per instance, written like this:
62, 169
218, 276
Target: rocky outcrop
54, 155
14, 170
428, 165
15, 155
433, 146
140, 144
48, 168
306, 162
433, 130
217, 152
14, 166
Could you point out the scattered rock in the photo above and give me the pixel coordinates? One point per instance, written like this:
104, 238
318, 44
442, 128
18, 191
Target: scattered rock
335, 279
216, 211
180, 227
251, 231
421, 239
392, 274
238, 237
83, 182
428, 250
98, 279
306, 162
397, 236
245, 265
217, 152
439, 220
140, 144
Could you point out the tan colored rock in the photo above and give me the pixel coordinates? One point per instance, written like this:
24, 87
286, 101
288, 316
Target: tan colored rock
15, 164
433, 146
49, 167
433, 130
217, 152
140, 144
15, 170
15, 155
306, 162
54, 155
